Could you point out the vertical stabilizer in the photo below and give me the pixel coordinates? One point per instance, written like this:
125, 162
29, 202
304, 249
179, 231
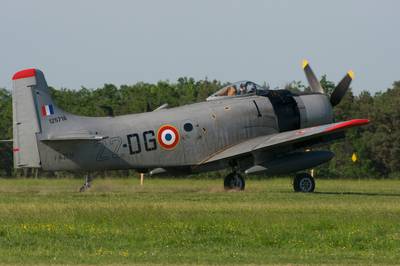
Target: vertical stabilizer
25, 120
33, 108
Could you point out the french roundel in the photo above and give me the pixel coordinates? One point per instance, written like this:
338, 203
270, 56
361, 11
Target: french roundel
168, 137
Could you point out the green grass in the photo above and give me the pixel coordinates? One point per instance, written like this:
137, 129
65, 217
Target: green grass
183, 221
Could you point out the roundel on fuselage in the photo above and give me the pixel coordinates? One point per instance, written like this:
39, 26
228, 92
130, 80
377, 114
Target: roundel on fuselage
168, 137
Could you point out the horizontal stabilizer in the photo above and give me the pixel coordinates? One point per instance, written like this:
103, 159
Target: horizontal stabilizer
161, 107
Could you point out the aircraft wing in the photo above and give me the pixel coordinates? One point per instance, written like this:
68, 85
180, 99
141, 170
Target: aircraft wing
282, 139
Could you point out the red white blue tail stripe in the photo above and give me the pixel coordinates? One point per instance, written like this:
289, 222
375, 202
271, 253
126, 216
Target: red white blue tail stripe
47, 110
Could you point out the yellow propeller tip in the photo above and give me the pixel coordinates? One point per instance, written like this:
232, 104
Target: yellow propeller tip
304, 63
351, 74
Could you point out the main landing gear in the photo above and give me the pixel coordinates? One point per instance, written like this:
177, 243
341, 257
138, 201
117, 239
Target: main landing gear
87, 184
303, 182
234, 181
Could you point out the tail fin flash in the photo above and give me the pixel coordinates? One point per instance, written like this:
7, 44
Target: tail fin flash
32, 106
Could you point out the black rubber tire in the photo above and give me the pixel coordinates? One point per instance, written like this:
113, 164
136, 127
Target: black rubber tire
234, 181
303, 182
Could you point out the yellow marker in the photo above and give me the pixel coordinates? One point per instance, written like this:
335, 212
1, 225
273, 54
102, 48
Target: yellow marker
351, 74
304, 63
354, 157
141, 179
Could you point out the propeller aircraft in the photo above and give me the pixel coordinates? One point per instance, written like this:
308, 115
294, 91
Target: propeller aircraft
244, 127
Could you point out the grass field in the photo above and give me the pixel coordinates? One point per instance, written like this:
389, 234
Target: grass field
183, 221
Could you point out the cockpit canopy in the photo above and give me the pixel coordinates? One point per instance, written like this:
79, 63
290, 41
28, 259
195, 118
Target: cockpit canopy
240, 88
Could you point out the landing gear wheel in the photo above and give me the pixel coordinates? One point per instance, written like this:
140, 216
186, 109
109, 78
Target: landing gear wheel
303, 182
87, 184
234, 181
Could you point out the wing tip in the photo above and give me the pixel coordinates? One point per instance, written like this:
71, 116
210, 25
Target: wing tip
348, 124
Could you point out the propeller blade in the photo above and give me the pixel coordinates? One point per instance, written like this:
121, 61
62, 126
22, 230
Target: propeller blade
311, 78
341, 88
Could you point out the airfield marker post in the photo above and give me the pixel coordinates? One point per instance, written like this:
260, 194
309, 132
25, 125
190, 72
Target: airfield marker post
141, 179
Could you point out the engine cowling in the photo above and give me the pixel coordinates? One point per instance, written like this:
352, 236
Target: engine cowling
315, 109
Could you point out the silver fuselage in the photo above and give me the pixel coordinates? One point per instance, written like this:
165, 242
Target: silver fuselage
131, 140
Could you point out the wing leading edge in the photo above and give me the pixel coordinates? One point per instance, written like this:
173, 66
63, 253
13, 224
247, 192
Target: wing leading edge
281, 139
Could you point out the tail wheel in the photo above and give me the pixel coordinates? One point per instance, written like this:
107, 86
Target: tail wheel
304, 182
234, 181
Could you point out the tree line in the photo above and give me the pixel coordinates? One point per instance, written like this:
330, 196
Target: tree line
376, 146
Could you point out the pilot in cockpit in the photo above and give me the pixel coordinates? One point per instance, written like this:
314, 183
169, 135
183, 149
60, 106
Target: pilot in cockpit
232, 90
229, 91
242, 88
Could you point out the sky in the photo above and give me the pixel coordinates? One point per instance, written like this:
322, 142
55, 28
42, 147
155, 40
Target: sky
92, 42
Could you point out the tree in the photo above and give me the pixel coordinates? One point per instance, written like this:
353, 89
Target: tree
5, 132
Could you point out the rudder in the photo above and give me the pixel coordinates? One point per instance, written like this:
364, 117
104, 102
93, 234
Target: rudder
32, 104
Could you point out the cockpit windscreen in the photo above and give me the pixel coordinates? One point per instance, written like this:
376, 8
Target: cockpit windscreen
240, 88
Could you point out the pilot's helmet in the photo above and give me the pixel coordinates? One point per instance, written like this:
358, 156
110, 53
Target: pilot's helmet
232, 90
